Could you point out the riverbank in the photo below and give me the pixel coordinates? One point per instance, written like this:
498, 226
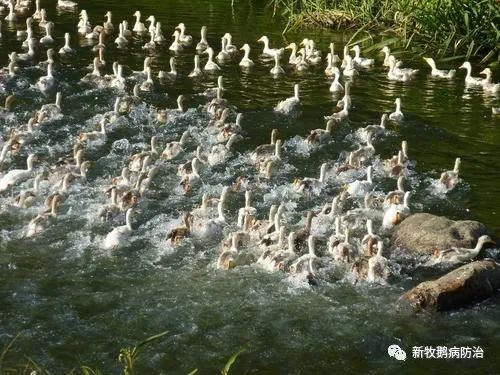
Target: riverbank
458, 29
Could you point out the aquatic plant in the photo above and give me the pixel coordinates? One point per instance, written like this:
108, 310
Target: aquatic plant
445, 27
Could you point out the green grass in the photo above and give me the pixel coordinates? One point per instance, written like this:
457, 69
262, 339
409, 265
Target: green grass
443, 27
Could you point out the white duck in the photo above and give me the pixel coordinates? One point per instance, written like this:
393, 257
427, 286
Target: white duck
488, 85
203, 43
277, 70
469, 79
66, 49
139, 26
361, 61
221, 152
15, 175
183, 37
197, 69
359, 188
449, 179
176, 45
119, 236
210, 65
370, 239
396, 213
397, 115
440, 73
43, 220
290, 105
246, 62
378, 265
336, 86
47, 82
209, 228
459, 255
269, 52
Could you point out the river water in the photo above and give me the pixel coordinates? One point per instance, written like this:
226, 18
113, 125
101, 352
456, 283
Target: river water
72, 303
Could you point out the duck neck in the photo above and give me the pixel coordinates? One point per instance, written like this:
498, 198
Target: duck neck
277, 150
296, 92
291, 243
36, 183
311, 246
406, 200
456, 168
322, 173
337, 226
369, 175
369, 227
58, 100
30, 163
220, 209
128, 219
400, 184
114, 197
203, 35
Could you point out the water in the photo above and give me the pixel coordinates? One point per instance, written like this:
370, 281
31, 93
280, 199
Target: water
71, 303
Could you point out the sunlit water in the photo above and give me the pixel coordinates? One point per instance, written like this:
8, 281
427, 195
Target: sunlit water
72, 303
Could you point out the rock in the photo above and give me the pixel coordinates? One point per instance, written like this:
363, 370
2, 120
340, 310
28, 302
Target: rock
463, 286
421, 234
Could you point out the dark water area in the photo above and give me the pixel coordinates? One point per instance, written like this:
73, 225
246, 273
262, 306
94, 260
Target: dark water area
73, 304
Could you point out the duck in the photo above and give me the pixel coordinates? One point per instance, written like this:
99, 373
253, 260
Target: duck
343, 252
15, 175
30, 54
282, 259
66, 49
12, 16
37, 14
265, 150
210, 65
373, 130
203, 43
336, 86
196, 72
440, 73
301, 65
399, 74
83, 25
302, 234
119, 237
210, 228
293, 59
183, 37
223, 55
469, 79
321, 135
66, 4
126, 32
488, 85
174, 149
163, 115
138, 26
334, 58
269, 52
361, 61
396, 213
378, 265
43, 220
246, 62
449, 179
172, 74
311, 184
152, 24
349, 70
28, 198
46, 83
108, 24
289, 105
456, 255
121, 40
95, 138
176, 45
277, 70
387, 53
370, 239
109, 211
395, 196
221, 152
228, 258
151, 44
359, 188
397, 115
47, 39
159, 38
308, 262
191, 178
148, 84
51, 111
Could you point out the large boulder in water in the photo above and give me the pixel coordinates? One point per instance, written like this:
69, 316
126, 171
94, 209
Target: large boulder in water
421, 234
463, 286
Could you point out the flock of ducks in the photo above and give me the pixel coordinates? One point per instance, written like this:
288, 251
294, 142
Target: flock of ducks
350, 229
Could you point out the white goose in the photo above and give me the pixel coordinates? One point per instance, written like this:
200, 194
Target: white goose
336, 86
321, 135
95, 138
12, 16
227, 258
459, 255
183, 37
66, 49
469, 79
119, 236
293, 59
176, 45
196, 70
440, 73
290, 105
277, 70
265, 150
361, 61
221, 152
370, 239
397, 115
246, 62
138, 26
396, 213
203, 43
359, 188
174, 149
488, 85
121, 40
349, 70
307, 262
29, 197
449, 179
209, 228
15, 175
43, 220
47, 39
46, 83
311, 184
269, 52
159, 38
210, 65
378, 265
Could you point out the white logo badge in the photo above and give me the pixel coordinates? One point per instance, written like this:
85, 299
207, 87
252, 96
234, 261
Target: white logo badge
396, 352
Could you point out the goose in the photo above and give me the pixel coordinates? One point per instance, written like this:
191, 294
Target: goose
406, 73
9, 103
121, 40
51, 111
344, 251
43, 220
289, 105
61, 190
457, 255
172, 74
196, 70
108, 24
248, 209
396, 75
329, 65
395, 196
387, 53
265, 150
495, 110
203, 43
95, 138
277, 70
183, 37
152, 24
334, 58
311, 184
66, 49
336, 86
218, 104
47, 82
266, 163
12, 16
359, 188
361, 61
378, 265
95, 74
163, 115
336, 238
211, 65
119, 236
370, 239
346, 102
146, 182
83, 25
269, 249
364, 153
151, 44
302, 234
246, 62
23, 33
373, 130
282, 259
321, 135
223, 55
29, 197
488, 85
230, 128
98, 34
176, 45
37, 14
50, 58
396, 213
47, 39
440, 73
191, 178
137, 159
204, 210
312, 55
228, 258
343, 114
138, 26
15, 175
109, 211
469, 80
126, 32
148, 84
210, 228
66, 4
64, 165
397, 115
21, 138
174, 149
29, 37
30, 53
269, 52
221, 152
449, 179
349, 70
293, 59
308, 261
230, 47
